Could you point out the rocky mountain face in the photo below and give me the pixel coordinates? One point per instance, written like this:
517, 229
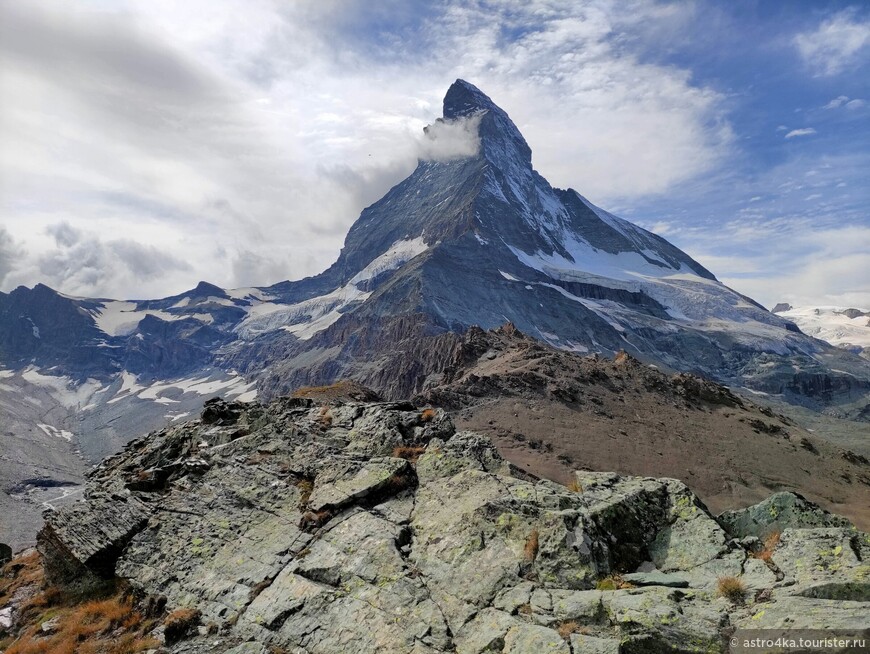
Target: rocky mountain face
468, 240
373, 527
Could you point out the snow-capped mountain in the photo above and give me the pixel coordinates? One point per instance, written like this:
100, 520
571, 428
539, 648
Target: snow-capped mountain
473, 239
478, 239
845, 327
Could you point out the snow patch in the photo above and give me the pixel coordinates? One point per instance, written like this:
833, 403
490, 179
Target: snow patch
119, 318
55, 432
64, 390
398, 254
831, 324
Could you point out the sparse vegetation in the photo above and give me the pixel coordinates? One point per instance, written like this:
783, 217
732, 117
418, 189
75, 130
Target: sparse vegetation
104, 626
179, 623
732, 589
575, 486
258, 588
530, 551
306, 487
344, 389
613, 582
428, 415
325, 416
768, 546
565, 629
409, 452
108, 624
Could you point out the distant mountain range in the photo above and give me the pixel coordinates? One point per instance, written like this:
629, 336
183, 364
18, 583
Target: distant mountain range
466, 240
848, 328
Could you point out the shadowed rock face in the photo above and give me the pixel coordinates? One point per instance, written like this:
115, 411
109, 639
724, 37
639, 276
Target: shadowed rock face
373, 527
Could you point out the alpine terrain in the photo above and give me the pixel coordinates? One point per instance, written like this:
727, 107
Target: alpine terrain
477, 240
848, 328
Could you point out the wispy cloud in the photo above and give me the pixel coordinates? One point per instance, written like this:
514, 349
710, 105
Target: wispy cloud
804, 131
839, 43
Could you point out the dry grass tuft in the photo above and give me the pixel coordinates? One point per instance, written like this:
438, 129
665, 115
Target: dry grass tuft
179, 623
613, 582
409, 452
103, 626
258, 588
325, 417
306, 487
575, 486
428, 415
22, 571
766, 551
569, 627
732, 589
530, 551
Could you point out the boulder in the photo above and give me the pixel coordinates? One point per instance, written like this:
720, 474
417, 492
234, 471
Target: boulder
779, 511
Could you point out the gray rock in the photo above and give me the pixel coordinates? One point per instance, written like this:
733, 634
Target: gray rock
825, 563
50, 626
248, 648
6, 618
778, 512
790, 612
348, 482
594, 644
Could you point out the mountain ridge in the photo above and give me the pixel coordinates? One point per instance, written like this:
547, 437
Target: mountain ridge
468, 239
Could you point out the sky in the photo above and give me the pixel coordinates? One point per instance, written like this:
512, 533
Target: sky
150, 144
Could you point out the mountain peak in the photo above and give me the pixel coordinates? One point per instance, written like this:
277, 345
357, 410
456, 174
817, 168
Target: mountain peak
465, 99
496, 130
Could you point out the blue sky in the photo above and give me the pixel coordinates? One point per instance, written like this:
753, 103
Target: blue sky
149, 144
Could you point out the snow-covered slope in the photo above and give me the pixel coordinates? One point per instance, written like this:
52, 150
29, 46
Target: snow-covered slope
844, 327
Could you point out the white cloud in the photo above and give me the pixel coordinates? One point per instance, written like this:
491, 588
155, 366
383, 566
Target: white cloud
844, 101
839, 43
246, 143
810, 265
805, 131
444, 140
839, 101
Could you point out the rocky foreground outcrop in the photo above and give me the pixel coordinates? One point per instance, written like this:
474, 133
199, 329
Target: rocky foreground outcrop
376, 527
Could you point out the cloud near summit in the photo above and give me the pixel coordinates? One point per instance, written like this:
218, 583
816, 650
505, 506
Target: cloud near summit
445, 140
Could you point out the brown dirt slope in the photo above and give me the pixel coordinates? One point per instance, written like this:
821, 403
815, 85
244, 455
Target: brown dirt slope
551, 411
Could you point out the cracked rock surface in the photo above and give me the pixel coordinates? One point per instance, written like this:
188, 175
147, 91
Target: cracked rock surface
376, 527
